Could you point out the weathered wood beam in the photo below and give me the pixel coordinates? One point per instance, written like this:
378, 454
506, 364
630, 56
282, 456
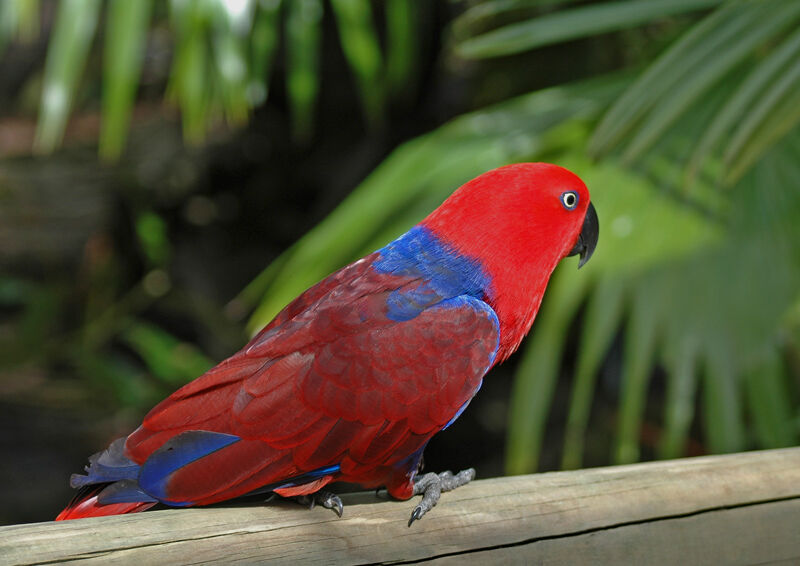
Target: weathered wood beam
739, 508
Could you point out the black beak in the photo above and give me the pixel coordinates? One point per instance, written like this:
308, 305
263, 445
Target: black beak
588, 238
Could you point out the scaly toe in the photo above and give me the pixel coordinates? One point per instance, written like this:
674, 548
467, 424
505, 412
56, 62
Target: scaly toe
431, 486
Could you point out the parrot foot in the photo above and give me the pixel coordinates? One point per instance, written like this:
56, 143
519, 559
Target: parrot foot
325, 498
431, 486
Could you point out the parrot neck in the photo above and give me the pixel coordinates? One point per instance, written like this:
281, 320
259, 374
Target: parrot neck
512, 289
446, 273
516, 273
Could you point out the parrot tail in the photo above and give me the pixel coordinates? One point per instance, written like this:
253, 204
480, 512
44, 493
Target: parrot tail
85, 504
110, 486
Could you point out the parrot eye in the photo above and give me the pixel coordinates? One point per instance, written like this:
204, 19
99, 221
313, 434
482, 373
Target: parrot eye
569, 199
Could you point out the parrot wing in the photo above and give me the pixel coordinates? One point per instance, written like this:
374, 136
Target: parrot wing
349, 382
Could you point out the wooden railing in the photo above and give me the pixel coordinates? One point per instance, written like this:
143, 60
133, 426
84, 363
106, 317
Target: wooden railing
733, 509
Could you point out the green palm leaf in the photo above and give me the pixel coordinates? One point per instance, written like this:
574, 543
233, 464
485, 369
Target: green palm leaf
75, 26
567, 24
223, 55
760, 102
124, 45
361, 48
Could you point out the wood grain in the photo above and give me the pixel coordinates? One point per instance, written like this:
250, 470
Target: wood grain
738, 509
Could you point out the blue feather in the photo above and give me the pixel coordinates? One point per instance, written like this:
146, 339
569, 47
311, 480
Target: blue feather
444, 273
176, 453
110, 465
125, 491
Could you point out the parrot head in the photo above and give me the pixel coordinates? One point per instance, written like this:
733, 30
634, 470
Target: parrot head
518, 222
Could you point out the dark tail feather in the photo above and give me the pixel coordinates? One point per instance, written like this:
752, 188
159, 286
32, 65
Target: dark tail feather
85, 504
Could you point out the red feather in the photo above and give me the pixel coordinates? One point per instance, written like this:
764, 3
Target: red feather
85, 504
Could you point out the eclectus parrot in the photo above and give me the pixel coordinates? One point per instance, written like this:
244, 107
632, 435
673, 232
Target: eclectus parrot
351, 380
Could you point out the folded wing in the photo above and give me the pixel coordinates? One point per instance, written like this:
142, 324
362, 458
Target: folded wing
335, 388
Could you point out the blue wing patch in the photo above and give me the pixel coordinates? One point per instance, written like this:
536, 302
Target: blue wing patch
177, 452
444, 272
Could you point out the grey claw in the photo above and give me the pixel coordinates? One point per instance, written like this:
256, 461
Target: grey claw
415, 514
325, 498
334, 503
330, 501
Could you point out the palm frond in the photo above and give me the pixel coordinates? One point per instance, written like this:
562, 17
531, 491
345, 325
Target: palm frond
361, 48
565, 25
402, 38
760, 106
124, 52
75, 27
302, 46
222, 60
18, 18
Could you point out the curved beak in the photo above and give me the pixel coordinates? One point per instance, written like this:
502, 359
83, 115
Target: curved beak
588, 237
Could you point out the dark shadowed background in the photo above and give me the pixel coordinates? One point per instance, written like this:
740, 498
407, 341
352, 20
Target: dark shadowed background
173, 173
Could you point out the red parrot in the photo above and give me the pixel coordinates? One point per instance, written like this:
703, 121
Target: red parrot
351, 380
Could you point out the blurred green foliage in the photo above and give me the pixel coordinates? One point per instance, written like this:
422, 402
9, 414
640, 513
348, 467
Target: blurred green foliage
691, 151
224, 52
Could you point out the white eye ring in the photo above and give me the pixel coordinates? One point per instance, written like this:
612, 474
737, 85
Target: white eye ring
569, 199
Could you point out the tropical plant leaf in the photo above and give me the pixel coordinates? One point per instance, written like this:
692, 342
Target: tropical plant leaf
18, 18
702, 40
111, 373
773, 116
715, 55
264, 41
362, 51
768, 402
722, 405
602, 318
151, 231
189, 81
402, 44
640, 344
536, 377
696, 81
76, 22
475, 16
571, 24
167, 358
679, 401
302, 46
222, 58
230, 34
124, 51
758, 82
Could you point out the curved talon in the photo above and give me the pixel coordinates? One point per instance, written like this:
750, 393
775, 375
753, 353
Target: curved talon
415, 514
431, 486
331, 501
325, 498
